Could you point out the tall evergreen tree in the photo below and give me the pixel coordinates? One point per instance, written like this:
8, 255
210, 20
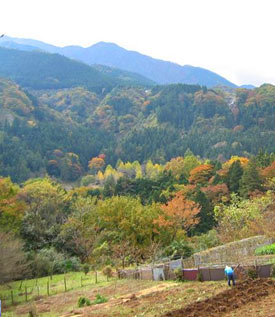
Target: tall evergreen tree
251, 179
206, 213
234, 176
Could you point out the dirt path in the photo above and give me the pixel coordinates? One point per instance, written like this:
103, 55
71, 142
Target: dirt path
120, 294
130, 298
249, 291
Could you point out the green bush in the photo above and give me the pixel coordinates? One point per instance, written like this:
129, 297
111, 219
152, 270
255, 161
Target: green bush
267, 249
252, 273
87, 180
49, 261
86, 268
179, 275
99, 299
178, 249
107, 271
83, 301
206, 240
200, 277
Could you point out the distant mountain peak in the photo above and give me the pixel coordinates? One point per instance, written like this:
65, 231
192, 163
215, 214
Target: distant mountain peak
113, 55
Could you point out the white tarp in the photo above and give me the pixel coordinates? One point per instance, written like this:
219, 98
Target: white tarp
158, 274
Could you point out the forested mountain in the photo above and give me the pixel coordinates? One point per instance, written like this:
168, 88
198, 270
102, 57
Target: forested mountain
109, 54
40, 70
114, 176
126, 77
70, 126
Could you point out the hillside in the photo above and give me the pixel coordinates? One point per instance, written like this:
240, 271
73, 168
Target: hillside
130, 78
130, 123
39, 70
110, 54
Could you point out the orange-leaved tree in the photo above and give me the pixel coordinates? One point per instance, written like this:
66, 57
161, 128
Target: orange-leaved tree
96, 163
179, 214
269, 171
201, 174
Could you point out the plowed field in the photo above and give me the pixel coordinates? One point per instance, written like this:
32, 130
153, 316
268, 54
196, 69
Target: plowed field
232, 300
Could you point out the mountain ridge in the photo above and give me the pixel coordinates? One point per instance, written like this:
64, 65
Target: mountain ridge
112, 55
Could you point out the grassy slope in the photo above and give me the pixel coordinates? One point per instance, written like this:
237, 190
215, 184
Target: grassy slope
150, 298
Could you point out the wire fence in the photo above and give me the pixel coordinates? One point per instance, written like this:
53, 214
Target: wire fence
173, 270
27, 290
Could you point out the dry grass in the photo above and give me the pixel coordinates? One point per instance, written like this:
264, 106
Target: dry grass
125, 298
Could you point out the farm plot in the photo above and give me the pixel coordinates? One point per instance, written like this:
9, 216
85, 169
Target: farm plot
232, 301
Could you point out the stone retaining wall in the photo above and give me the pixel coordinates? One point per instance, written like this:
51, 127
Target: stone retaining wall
234, 252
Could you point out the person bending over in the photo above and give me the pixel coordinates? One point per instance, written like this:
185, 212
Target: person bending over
230, 275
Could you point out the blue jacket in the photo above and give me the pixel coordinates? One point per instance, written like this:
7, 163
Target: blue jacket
228, 271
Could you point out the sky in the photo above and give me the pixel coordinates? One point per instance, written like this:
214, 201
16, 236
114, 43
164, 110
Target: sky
234, 38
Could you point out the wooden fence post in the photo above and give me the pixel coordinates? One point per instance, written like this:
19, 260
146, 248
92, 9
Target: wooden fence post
26, 293
48, 288
96, 277
81, 281
65, 284
12, 300
37, 290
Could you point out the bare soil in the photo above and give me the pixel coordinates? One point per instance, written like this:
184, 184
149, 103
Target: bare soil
237, 299
253, 298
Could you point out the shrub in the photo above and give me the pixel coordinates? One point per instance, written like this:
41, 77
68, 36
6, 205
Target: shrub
13, 264
179, 275
252, 273
83, 301
107, 271
86, 268
99, 299
200, 277
49, 261
87, 180
206, 240
32, 312
267, 249
178, 249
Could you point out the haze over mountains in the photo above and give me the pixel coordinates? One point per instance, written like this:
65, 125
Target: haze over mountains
50, 102
109, 54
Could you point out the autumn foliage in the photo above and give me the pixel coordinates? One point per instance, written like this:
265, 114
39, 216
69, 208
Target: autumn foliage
243, 160
269, 172
217, 193
201, 174
97, 162
179, 213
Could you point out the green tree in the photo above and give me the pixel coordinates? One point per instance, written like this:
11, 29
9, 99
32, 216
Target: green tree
47, 208
251, 179
206, 214
11, 208
126, 219
80, 234
234, 176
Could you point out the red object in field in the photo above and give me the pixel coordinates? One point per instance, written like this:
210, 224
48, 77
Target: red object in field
190, 274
